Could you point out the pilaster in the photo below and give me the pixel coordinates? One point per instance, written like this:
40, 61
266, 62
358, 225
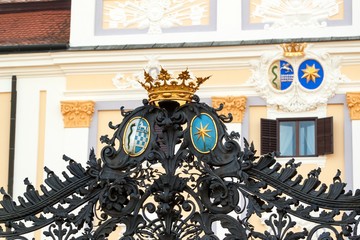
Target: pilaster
353, 101
236, 105
77, 116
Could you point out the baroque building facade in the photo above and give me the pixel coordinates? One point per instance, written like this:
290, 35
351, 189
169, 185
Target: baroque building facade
287, 70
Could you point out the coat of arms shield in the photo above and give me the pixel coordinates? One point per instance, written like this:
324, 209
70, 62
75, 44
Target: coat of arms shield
136, 136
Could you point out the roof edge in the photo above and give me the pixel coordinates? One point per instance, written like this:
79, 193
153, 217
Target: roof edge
211, 44
33, 48
66, 47
35, 6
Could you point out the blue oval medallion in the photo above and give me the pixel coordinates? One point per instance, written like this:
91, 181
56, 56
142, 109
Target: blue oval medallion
136, 136
203, 133
311, 74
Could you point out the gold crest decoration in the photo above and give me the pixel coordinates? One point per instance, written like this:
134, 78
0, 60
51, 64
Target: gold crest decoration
165, 87
293, 49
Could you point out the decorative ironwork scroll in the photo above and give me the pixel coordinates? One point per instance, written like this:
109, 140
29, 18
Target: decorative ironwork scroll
172, 171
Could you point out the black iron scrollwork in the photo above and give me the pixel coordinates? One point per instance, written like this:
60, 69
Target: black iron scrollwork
180, 184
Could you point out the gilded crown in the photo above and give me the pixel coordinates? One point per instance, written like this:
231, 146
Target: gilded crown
293, 49
165, 87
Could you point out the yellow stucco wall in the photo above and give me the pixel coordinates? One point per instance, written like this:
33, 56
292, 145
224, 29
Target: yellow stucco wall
90, 82
351, 71
5, 103
255, 114
333, 161
104, 117
41, 139
224, 77
105, 81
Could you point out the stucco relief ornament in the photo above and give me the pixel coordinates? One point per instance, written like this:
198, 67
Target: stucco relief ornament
296, 79
295, 13
155, 15
122, 81
131, 80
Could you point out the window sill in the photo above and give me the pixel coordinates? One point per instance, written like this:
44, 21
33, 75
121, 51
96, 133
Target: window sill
319, 161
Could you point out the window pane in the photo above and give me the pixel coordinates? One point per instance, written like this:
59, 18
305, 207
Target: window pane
307, 138
287, 138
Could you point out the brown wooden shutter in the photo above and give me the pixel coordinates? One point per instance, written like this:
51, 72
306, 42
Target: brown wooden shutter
269, 134
324, 139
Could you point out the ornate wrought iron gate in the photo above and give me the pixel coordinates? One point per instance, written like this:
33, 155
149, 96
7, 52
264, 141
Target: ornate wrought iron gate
172, 171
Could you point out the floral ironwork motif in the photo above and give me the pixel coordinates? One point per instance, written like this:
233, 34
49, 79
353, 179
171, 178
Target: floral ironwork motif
172, 191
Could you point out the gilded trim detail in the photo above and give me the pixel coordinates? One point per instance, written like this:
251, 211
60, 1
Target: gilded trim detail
234, 105
353, 101
77, 114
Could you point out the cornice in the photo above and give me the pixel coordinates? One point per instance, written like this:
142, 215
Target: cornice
346, 87
31, 72
221, 52
26, 6
247, 90
136, 94
114, 61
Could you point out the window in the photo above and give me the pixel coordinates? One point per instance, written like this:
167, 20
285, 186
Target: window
301, 137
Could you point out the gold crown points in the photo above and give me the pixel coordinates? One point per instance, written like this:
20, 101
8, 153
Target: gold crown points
165, 87
293, 49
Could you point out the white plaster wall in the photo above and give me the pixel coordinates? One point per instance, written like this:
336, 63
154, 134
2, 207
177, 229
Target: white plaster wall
5, 84
27, 129
26, 137
58, 140
228, 28
236, 127
218, 229
76, 144
356, 153
54, 128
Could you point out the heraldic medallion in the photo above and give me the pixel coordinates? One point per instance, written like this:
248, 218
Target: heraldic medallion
136, 136
203, 133
281, 74
311, 74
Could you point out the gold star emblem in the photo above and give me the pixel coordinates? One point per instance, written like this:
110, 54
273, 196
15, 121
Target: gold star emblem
310, 73
203, 132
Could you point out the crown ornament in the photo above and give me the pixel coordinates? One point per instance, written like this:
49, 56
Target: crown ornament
166, 87
293, 49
